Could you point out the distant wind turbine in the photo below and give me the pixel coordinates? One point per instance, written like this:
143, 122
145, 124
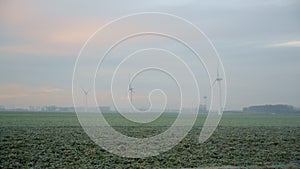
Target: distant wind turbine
205, 104
131, 91
86, 92
218, 80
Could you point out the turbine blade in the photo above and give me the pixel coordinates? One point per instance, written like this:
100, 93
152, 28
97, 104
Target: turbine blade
214, 82
218, 70
129, 83
83, 90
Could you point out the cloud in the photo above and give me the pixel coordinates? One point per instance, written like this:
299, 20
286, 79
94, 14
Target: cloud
38, 49
49, 90
9, 91
45, 36
30, 31
286, 44
24, 90
12, 95
23, 95
15, 12
54, 36
239, 31
171, 3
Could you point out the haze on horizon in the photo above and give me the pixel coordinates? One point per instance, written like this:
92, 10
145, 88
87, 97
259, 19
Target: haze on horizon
257, 41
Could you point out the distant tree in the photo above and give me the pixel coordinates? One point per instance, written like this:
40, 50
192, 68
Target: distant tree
278, 108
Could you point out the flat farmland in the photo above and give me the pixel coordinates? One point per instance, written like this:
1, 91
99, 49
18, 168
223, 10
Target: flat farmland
56, 140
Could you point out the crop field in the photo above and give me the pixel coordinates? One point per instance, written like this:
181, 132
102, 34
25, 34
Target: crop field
56, 140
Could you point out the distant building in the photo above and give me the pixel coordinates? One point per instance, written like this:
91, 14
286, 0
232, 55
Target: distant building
278, 108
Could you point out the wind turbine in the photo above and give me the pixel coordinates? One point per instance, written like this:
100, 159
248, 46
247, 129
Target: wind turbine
131, 91
86, 92
205, 104
218, 80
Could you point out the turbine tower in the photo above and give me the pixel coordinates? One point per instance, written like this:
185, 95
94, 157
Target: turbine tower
131, 91
218, 80
86, 92
205, 104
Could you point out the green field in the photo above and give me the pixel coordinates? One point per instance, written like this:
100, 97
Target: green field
56, 140
36, 119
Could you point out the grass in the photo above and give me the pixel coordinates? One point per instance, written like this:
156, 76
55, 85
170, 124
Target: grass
34, 119
56, 140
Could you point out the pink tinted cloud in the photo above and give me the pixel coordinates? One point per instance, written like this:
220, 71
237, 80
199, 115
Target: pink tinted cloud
286, 44
37, 49
40, 34
62, 37
16, 12
22, 95
37, 33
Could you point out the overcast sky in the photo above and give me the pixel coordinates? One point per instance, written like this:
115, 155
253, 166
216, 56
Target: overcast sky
257, 41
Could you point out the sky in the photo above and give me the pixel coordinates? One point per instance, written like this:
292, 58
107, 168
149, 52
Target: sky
258, 43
